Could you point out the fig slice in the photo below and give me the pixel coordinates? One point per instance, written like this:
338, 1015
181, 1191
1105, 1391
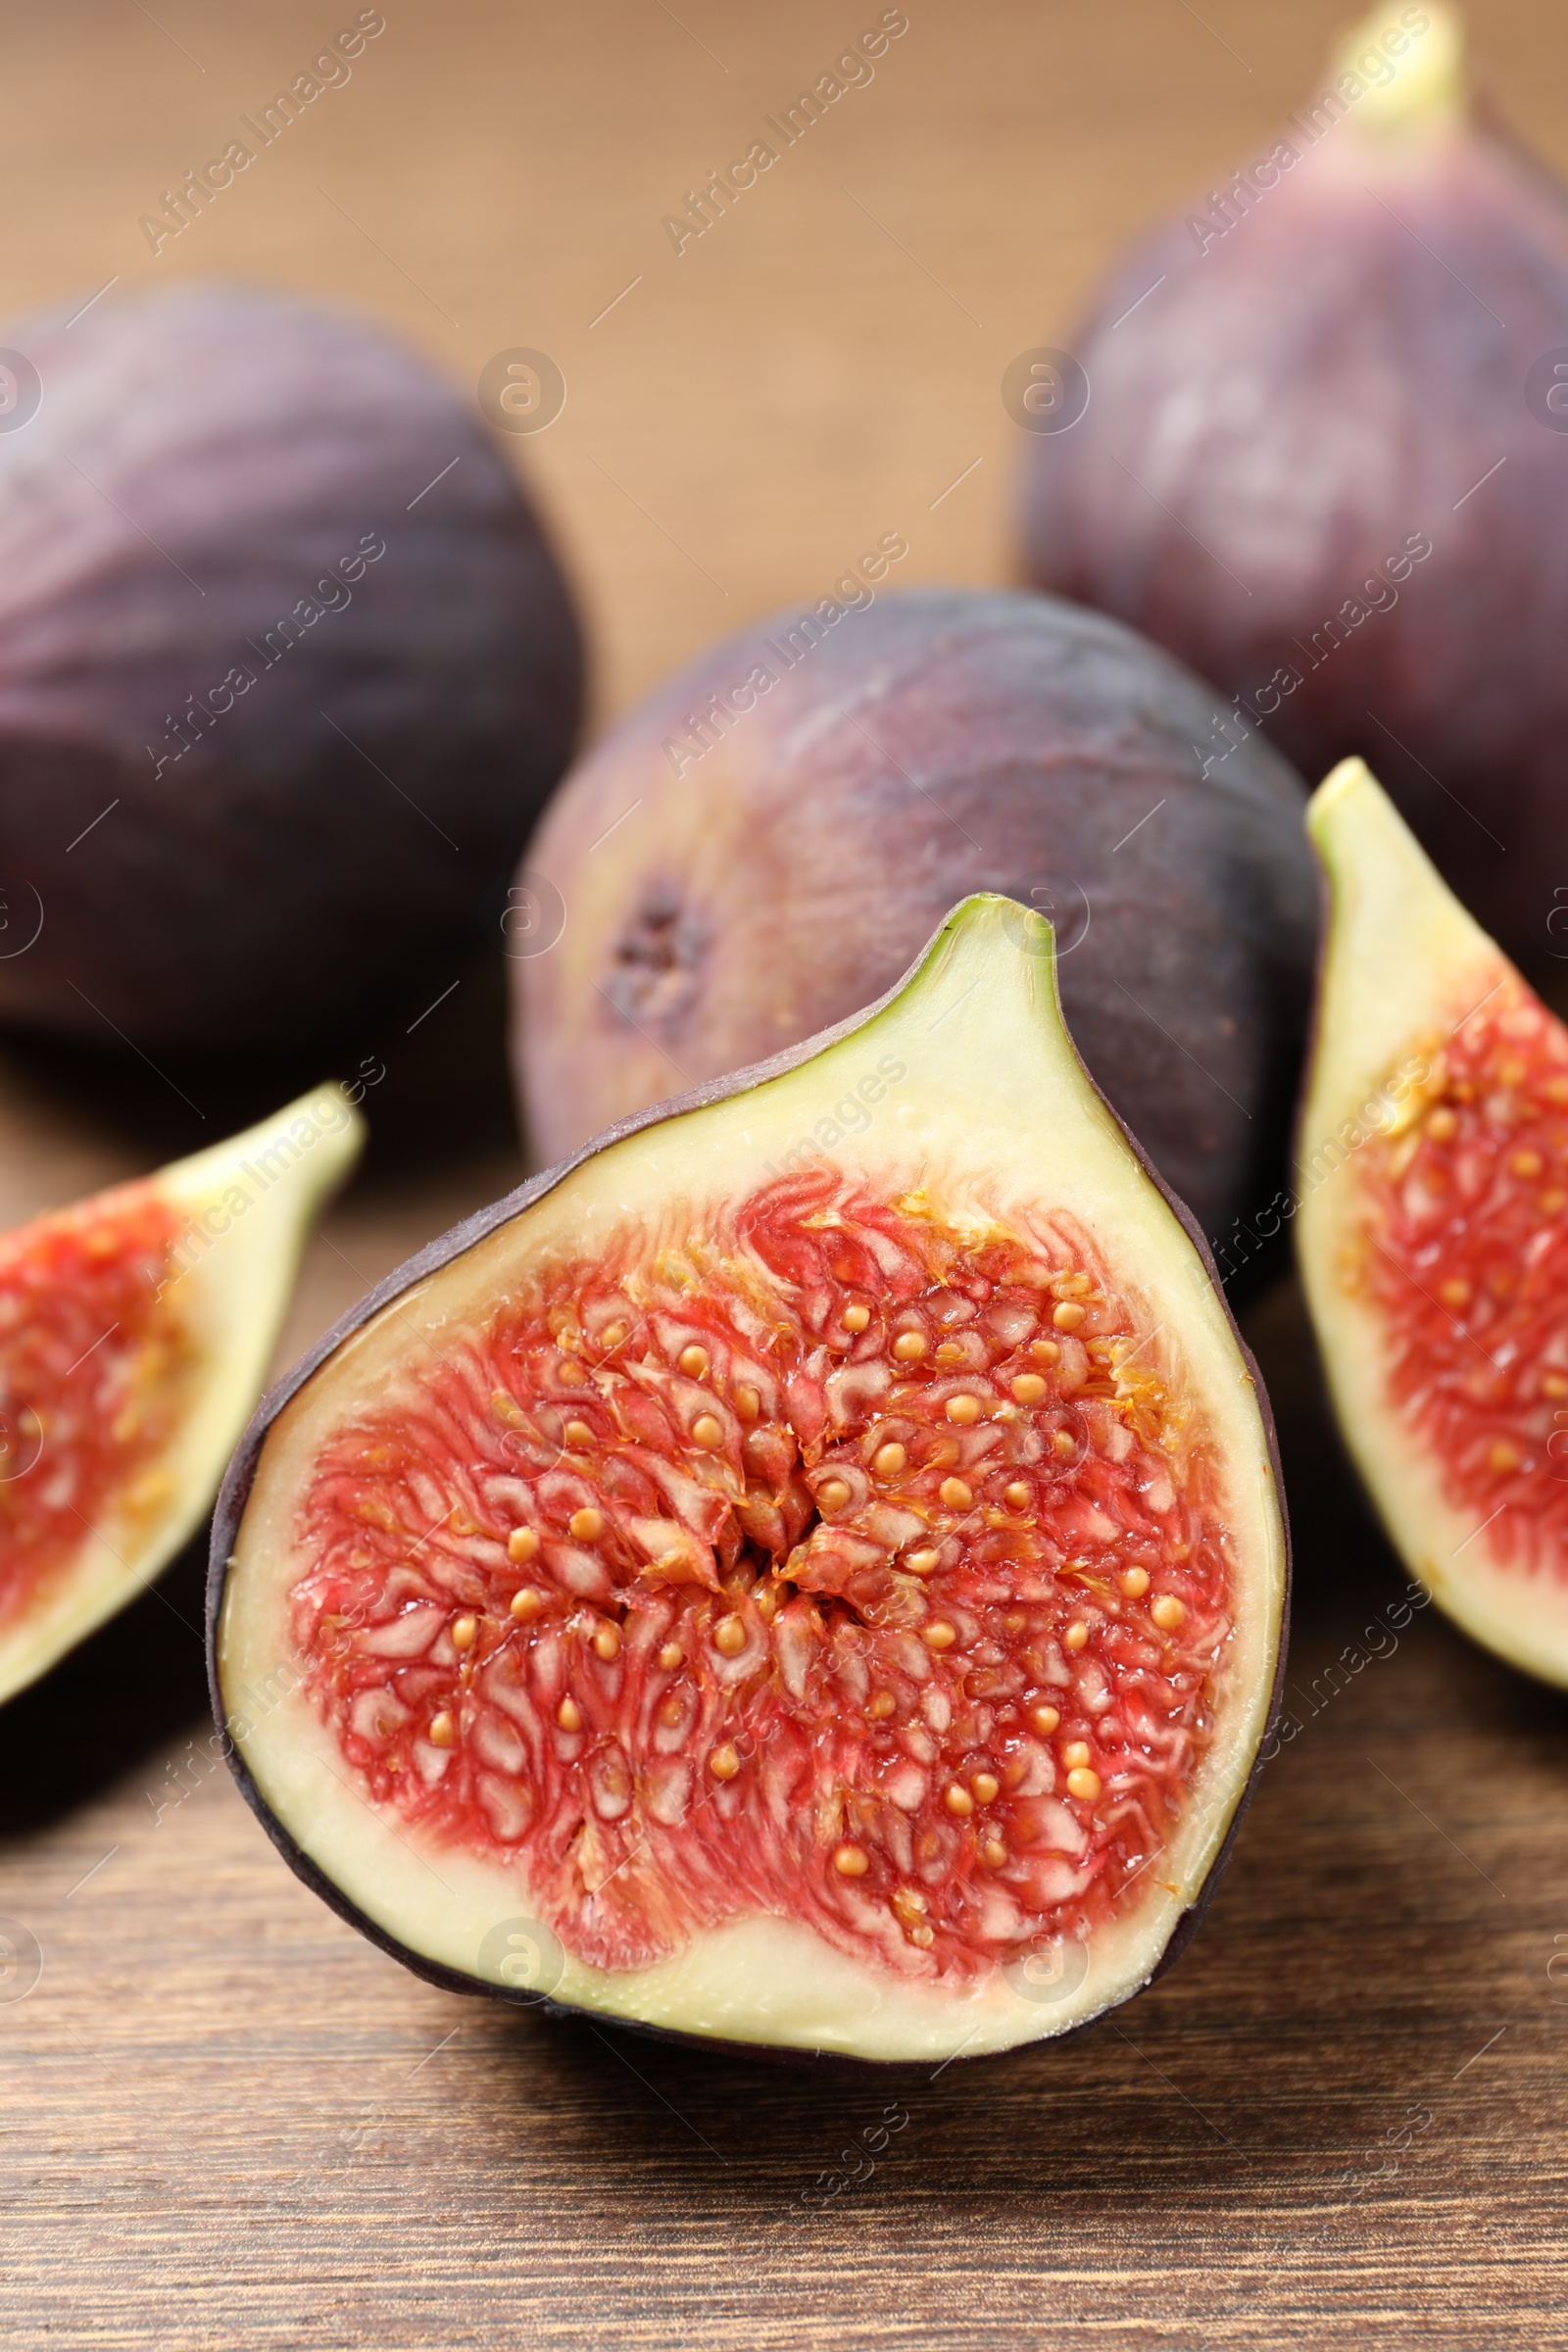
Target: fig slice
1432, 1228
828, 1606
136, 1328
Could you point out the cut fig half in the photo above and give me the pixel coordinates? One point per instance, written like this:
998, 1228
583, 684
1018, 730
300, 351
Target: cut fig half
1433, 1230
136, 1330
807, 1572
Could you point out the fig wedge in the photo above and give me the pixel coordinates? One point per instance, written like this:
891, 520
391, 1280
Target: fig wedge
1432, 1228
136, 1328
782, 1576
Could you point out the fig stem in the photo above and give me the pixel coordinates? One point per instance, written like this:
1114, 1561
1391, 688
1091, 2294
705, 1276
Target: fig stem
1411, 64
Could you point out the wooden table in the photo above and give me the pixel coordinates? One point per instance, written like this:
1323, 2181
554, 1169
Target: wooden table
226, 2119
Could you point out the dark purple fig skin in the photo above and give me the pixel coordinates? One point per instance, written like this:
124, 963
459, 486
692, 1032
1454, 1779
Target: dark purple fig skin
1331, 378
240, 1477
940, 742
201, 460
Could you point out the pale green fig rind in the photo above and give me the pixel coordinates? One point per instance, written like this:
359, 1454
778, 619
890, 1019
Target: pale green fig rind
1402, 964
233, 1289
998, 1106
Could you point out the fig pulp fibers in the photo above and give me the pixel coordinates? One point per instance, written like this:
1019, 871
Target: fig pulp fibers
1464, 1244
95, 1374
858, 1560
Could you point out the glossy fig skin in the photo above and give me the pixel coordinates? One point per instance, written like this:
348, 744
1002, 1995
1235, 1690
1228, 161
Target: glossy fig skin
938, 742
1338, 379
319, 757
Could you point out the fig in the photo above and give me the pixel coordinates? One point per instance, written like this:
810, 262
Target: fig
760, 848
286, 669
1431, 1223
837, 1610
1322, 459
137, 1331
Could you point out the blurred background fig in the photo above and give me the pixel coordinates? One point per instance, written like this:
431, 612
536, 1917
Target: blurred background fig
286, 669
759, 849
1324, 458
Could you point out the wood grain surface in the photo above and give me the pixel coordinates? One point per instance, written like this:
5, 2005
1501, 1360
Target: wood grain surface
226, 2121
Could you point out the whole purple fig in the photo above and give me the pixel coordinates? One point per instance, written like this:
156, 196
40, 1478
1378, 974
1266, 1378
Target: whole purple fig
1322, 456
757, 849
287, 670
